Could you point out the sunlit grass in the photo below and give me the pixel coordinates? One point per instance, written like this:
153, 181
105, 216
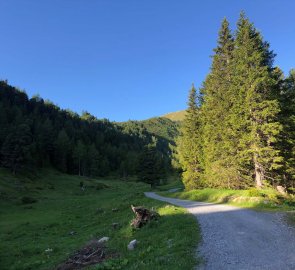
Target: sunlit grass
265, 199
64, 218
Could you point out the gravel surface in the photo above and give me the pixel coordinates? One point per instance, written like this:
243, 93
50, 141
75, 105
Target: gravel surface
240, 239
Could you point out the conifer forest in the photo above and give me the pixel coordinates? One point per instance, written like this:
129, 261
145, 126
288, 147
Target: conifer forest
239, 130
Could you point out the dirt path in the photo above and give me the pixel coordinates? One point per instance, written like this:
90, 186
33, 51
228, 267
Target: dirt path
240, 239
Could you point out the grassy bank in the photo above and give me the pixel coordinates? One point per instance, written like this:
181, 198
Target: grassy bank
266, 199
63, 218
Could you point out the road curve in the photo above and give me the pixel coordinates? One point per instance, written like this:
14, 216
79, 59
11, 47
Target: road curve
240, 239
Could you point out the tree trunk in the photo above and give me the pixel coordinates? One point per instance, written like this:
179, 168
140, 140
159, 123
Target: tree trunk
259, 174
79, 167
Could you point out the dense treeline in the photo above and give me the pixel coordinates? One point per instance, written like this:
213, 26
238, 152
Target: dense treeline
240, 130
35, 133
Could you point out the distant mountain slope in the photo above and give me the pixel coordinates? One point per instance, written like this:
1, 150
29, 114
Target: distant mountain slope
159, 126
175, 116
35, 133
162, 127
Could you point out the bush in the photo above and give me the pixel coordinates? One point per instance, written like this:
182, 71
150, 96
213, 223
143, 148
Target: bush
28, 200
253, 192
290, 202
291, 190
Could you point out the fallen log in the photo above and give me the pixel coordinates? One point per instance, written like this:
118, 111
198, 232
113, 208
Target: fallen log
143, 216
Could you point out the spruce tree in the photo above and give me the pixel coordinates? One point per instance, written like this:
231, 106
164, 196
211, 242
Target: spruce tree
62, 150
94, 166
287, 136
218, 148
255, 107
149, 166
79, 155
189, 143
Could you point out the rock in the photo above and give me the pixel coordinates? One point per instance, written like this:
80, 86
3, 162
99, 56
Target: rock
103, 239
72, 233
281, 190
132, 244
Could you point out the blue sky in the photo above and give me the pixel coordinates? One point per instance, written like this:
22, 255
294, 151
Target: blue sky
126, 59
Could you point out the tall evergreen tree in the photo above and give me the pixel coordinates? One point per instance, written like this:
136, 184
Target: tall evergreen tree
189, 144
79, 155
255, 107
219, 162
287, 136
149, 166
62, 150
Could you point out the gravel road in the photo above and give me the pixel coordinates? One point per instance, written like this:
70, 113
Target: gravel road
240, 239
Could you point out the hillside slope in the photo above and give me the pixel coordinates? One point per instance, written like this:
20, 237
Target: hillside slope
46, 218
175, 116
35, 133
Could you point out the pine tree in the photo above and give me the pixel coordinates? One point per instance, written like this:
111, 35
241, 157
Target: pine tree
62, 150
92, 160
218, 148
45, 141
79, 155
149, 166
287, 136
255, 108
189, 143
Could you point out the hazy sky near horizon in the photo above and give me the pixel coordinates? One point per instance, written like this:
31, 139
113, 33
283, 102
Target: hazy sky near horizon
126, 59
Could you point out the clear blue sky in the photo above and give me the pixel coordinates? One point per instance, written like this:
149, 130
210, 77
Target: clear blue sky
126, 59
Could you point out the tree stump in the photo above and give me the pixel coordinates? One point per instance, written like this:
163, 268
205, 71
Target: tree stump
143, 216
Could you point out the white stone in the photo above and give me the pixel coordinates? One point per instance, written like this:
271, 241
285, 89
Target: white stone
103, 239
132, 244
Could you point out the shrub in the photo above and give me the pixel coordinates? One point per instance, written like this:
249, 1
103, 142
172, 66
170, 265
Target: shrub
291, 190
253, 192
290, 202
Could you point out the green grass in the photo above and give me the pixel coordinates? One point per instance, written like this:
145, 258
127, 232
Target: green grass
172, 183
27, 230
265, 199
